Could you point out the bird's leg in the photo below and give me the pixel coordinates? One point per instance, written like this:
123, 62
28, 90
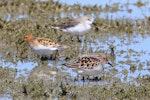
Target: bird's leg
83, 80
56, 54
43, 58
79, 39
112, 50
60, 37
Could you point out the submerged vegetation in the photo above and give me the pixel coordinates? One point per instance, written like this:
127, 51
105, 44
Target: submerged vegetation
46, 81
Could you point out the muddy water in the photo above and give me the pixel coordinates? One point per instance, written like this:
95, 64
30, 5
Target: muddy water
123, 26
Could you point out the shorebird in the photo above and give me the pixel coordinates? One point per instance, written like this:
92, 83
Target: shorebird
76, 27
43, 46
91, 64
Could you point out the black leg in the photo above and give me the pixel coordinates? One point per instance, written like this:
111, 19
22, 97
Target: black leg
56, 54
79, 39
83, 80
44, 58
112, 50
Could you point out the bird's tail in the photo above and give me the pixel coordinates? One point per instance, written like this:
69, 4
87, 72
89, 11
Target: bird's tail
55, 27
63, 47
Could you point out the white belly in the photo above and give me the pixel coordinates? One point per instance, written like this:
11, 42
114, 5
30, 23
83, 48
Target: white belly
96, 70
44, 51
79, 29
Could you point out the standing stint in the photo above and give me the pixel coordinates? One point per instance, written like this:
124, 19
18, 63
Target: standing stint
88, 64
76, 27
43, 46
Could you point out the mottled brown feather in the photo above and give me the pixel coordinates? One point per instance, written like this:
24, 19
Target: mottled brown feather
46, 42
67, 24
85, 63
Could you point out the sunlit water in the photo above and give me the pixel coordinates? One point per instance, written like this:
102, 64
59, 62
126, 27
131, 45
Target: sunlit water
127, 8
124, 6
136, 43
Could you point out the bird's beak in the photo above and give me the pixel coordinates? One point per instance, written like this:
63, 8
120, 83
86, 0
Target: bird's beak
110, 64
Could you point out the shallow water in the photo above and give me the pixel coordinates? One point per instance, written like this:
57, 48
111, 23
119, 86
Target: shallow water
131, 59
124, 7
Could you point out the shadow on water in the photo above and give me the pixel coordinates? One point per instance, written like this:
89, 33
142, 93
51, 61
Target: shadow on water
118, 28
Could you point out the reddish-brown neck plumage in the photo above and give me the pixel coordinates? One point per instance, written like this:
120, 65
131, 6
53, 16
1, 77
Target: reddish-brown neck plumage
29, 38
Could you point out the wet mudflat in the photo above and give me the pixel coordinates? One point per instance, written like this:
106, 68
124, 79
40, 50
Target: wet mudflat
24, 75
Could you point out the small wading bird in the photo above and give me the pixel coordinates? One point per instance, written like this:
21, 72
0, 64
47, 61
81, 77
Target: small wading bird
76, 27
91, 64
43, 46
